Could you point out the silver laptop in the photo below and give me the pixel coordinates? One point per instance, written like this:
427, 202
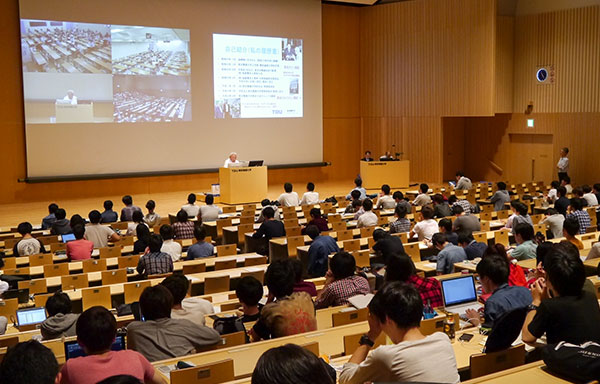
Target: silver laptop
459, 294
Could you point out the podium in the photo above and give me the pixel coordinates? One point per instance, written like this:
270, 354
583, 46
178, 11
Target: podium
79, 113
393, 173
241, 185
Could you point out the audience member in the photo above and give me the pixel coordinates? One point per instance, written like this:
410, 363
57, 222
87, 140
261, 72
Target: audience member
448, 255
520, 216
270, 228
358, 187
129, 208
473, 249
566, 182
310, 197
368, 218
578, 194
422, 198
386, 245
401, 268
462, 182
562, 203
385, 199
445, 227
425, 228
553, 192
80, 248
210, 211
401, 201
183, 228
191, 208
317, 220
109, 216
594, 252
288, 198
516, 275
155, 262
341, 282
28, 245
401, 224
61, 226
51, 218
591, 198
570, 229
98, 234
143, 239
29, 362
169, 245
596, 191
318, 253
524, 238
249, 292
267, 203
299, 284
465, 223
60, 322
201, 248
454, 201
137, 218
577, 212
500, 197
76, 219
191, 308
554, 221
441, 208
152, 218
355, 203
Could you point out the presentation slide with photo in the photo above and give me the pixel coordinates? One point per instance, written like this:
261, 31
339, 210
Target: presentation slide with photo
257, 77
150, 51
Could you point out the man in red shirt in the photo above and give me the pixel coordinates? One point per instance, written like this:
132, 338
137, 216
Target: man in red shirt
79, 249
401, 268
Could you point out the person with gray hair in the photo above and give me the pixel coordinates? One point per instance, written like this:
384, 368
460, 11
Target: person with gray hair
70, 97
232, 159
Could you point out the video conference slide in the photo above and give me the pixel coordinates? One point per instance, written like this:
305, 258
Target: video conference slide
95, 73
257, 77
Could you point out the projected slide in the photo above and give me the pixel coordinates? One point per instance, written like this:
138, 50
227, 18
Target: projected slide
95, 73
257, 77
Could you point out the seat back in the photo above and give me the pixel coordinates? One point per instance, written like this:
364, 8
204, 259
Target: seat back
367, 231
40, 259
189, 269
132, 291
129, 261
226, 250
56, 247
94, 265
338, 226
293, 231
213, 373
216, 284
349, 317
40, 300
246, 220
223, 223
35, 286
351, 245
52, 270
91, 297
8, 308
485, 363
125, 240
243, 229
345, 235
250, 261
107, 252
293, 242
10, 263
229, 208
74, 281
114, 276
480, 237
506, 330
412, 250
363, 259
232, 339
501, 237
503, 214
258, 275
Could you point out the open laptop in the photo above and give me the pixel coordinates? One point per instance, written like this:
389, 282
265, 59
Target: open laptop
73, 349
28, 319
256, 163
67, 237
459, 294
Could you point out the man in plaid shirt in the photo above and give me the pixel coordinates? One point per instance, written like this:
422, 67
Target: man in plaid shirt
466, 206
183, 228
155, 262
341, 283
577, 213
401, 268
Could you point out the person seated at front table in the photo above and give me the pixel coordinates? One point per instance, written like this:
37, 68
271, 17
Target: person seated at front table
249, 292
425, 228
80, 248
127, 211
445, 227
267, 203
70, 97
288, 198
441, 208
310, 196
561, 308
396, 310
191, 308
201, 248
473, 249
570, 229
385, 199
576, 211
358, 187
465, 223
401, 224
493, 272
191, 208
387, 156
60, 322
287, 312
318, 253
317, 220
109, 216
401, 268
232, 159
270, 228
449, 254
183, 228
500, 197
341, 282
143, 239
462, 182
367, 157
61, 226
367, 218
210, 211
28, 245
299, 284
161, 337
422, 198
170, 246
152, 218
98, 234
525, 246
155, 262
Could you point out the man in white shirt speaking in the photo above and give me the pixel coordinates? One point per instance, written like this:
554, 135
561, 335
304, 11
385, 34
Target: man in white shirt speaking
232, 159
70, 97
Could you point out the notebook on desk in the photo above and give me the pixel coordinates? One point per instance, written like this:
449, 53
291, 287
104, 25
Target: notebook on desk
459, 294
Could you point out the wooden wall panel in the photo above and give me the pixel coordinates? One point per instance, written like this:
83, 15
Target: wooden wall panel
570, 41
505, 33
453, 131
428, 58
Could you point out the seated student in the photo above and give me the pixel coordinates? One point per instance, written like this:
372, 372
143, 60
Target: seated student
401, 268
129, 208
267, 203
80, 248
193, 308
500, 197
445, 227
441, 208
170, 246
401, 224
367, 157
355, 202
287, 312
473, 249
516, 275
577, 212
310, 196
288, 198
201, 248
51, 218
596, 191
454, 201
109, 216
561, 308
566, 182
60, 322
562, 203
554, 221
317, 220
448, 255
183, 228
386, 157
578, 194
161, 337
155, 262
595, 251
385, 199
341, 282
137, 218
98, 234
299, 284
61, 226
319, 251
249, 292
589, 197
143, 239
493, 272
465, 223
552, 193
368, 218
386, 245
425, 228
358, 187
270, 228
210, 211
524, 238
462, 182
191, 208
29, 362
520, 215
96, 332
570, 229
28, 245
77, 219
152, 218
291, 363
422, 198
396, 310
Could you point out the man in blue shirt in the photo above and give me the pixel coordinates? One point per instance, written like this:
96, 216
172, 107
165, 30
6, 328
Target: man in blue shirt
319, 251
493, 271
449, 254
51, 218
358, 187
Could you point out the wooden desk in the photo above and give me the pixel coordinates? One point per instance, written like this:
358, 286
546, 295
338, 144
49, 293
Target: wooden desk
528, 373
376, 173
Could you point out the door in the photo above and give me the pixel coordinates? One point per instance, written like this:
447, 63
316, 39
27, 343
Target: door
530, 158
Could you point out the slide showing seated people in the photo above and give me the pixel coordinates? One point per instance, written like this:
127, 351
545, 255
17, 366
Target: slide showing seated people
257, 77
150, 51
151, 98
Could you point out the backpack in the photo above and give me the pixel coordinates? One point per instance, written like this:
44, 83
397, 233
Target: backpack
576, 362
228, 324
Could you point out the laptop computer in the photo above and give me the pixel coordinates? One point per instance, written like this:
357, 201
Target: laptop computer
67, 237
256, 163
21, 294
73, 349
28, 319
459, 294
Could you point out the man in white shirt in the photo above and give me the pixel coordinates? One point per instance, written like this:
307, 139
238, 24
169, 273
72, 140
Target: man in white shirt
385, 200
563, 165
591, 199
310, 196
232, 159
192, 309
289, 198
169, 246
396, 310
210, 211
191, 208
99, 234
553, 192
368, 218
422, 198
462, 182
425, 228
70, 97
566, 182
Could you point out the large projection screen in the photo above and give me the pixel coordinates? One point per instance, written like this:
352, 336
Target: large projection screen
150, 95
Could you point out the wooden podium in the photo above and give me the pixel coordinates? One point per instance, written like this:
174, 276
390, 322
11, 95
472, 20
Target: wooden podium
241, 185
393, 173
